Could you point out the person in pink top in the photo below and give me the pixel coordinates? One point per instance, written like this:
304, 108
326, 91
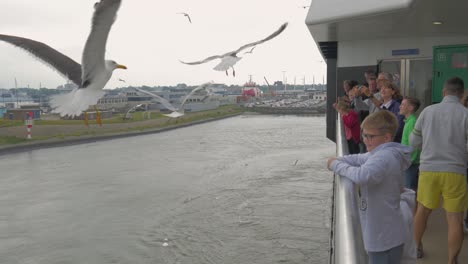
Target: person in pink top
351, 126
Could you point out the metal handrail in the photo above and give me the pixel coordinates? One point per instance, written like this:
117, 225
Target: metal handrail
346, 239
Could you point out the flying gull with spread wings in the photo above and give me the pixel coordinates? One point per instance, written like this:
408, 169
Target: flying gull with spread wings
176, 111
93, 73
187, 15
230, 58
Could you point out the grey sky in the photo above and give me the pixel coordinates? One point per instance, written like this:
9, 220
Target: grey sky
150, 39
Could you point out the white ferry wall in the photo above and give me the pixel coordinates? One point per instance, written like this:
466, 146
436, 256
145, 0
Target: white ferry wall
361, 33
413, 73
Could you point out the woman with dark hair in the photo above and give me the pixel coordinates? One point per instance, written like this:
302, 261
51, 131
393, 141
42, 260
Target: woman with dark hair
347, 86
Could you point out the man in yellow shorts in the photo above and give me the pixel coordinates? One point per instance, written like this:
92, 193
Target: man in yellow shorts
441, 133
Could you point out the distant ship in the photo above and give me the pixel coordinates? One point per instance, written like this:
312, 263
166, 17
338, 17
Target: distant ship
250, 88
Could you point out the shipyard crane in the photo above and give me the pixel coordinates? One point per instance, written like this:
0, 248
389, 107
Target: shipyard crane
272, 92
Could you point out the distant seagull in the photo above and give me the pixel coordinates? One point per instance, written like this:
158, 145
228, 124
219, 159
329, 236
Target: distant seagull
122, 80
187, 15
304, 7
250, 51
229, 59
93, 73
176, 112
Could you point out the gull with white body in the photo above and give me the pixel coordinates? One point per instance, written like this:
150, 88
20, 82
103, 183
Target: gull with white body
93, 73
229, 59
176, 111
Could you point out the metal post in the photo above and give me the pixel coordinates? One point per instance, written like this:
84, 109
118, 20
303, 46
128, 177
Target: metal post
284, 80
29, 123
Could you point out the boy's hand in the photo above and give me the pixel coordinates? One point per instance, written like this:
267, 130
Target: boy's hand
329, 162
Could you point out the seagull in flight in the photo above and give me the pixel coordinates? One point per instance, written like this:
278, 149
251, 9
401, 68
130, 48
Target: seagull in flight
304, 7
187, 15
93, 73
176, 111
122, 80
230, 58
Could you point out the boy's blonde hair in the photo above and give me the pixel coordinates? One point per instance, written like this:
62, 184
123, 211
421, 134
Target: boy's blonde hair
385, 121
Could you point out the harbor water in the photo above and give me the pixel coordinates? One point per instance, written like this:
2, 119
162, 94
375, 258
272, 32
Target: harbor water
247, 189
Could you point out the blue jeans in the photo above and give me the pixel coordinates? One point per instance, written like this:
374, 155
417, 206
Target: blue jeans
391, 256
411, 177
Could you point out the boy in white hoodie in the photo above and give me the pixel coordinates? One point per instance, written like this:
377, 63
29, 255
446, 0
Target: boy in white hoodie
379, 174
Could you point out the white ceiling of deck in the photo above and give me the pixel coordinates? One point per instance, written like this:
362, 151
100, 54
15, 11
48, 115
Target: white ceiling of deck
345, 20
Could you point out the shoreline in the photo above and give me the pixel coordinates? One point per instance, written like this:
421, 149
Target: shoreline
71, 140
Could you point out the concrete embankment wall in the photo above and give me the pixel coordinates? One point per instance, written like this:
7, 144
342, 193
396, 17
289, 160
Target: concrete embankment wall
288, 110
70, 140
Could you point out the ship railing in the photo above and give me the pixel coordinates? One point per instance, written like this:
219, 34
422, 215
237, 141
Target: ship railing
346, 243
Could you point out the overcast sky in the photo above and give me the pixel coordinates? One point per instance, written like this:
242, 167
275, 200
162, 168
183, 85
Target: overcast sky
150, 39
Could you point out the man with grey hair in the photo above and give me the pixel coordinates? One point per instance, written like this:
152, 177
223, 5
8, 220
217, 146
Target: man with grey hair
441, 133
371, 94
385, 76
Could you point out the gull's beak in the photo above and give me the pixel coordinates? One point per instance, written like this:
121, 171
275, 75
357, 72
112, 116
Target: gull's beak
120, 66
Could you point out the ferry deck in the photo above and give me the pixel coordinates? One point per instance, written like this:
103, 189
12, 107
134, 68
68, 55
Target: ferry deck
421, 43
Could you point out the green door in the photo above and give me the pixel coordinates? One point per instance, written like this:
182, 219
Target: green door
449, 61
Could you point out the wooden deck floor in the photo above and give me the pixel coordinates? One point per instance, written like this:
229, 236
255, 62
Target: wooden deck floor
435, 241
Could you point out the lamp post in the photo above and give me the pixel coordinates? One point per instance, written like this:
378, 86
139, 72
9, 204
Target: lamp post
284, 80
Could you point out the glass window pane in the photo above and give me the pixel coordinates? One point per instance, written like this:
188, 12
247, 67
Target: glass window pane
420, 81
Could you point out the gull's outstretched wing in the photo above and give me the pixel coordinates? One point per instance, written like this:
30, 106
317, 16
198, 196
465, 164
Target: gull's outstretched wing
63, 64
233, 53
276, 33
205, 60
159, 99
95, 47
187, 15
201, 87
251, 50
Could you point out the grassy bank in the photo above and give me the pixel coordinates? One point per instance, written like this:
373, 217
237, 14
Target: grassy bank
13, 132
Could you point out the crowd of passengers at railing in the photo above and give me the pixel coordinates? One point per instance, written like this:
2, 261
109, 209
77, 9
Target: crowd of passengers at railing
398, 155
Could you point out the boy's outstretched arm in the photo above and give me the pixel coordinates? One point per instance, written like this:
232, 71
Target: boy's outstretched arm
371, 172
353, 159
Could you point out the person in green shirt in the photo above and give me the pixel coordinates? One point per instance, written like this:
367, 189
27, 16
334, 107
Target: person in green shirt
408, 107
